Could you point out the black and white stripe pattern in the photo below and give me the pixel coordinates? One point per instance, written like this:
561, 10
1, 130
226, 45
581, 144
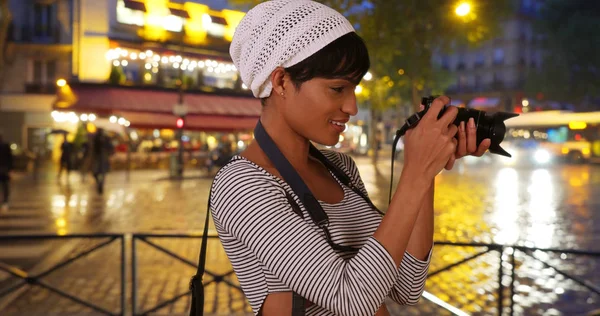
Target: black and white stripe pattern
272, 249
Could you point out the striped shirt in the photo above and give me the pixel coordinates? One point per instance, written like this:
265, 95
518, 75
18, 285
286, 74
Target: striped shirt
273, 249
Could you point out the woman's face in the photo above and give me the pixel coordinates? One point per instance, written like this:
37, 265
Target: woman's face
320, 108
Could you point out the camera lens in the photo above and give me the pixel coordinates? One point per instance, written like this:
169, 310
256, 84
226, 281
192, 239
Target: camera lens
489, 125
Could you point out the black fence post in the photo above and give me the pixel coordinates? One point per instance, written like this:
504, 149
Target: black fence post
513, 275
133, 277
500, 286
123, 277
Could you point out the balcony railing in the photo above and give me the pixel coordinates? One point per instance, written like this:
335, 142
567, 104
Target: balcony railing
36, 34
40, 88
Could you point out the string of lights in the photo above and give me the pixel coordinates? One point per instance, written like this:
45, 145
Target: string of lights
152, 61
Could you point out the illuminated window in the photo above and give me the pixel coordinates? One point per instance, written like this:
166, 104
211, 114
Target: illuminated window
173, 23
129, 16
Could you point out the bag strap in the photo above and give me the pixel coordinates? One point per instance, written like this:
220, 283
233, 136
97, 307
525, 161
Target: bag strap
312, 206
342, 176
196, 285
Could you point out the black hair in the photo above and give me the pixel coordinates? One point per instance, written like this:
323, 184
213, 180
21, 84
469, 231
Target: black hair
345, 58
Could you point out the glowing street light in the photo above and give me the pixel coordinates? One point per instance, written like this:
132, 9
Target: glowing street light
463, 9
358, 89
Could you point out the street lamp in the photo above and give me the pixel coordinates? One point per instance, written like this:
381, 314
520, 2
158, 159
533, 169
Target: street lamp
358, 90
463, 9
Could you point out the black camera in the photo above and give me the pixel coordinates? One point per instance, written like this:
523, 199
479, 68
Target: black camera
489, 125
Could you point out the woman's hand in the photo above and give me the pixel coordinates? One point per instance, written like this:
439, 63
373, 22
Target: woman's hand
431, 145
467, 143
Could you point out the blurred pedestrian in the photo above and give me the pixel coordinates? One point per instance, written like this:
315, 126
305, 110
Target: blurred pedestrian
102, 149
85, 159
66, 158
6, 165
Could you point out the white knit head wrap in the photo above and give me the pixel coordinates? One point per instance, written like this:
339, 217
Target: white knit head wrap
282, 33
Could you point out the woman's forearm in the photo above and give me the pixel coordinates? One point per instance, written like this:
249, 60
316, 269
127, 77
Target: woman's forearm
421, 239
396, 228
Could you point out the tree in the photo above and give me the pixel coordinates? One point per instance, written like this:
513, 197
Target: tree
570, 69
5, 22
402, 37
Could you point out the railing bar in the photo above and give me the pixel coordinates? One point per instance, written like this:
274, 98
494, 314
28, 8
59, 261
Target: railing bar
446, 268
170, 253
191, 236
224, 281
123, 277
500, 286
467, 244
133, 276
52, 236
14, 271
574, 278
73, 298
566, 251
165, 303
68, 261
216, 298
12, 289
513, 275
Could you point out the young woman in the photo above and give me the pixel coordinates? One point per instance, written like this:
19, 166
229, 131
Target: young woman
304, 60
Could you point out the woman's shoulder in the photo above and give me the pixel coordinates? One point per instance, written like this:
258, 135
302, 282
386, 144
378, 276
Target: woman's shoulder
241, 174
341, 160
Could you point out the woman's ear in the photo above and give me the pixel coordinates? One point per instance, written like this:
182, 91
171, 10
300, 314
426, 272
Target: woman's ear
278, 78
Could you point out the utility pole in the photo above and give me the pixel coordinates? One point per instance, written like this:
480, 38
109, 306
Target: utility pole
180, 111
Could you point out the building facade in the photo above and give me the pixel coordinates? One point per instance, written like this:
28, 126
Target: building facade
493, 76
134, 67
38, 51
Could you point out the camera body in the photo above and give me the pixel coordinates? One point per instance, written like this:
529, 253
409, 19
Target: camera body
489, 125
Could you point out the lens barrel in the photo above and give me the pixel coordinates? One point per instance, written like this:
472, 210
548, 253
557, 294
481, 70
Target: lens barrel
489, 125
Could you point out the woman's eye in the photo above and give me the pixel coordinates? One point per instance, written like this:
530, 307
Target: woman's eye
338, 89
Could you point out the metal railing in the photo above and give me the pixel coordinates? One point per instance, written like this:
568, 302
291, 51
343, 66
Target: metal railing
216, 277
36, 280
511, 251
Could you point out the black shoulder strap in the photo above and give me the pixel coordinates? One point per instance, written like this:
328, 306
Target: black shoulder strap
343, 176
291, 177
312, 206
196, 285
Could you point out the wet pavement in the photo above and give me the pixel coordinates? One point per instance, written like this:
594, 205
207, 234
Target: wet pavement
554, 207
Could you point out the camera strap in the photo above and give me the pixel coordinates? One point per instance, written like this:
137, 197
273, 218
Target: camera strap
312, 206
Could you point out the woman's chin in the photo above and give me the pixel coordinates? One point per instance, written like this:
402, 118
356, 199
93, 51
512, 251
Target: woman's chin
327, 142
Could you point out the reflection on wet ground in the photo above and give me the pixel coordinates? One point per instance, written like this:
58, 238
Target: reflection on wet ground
557, 207
554, 207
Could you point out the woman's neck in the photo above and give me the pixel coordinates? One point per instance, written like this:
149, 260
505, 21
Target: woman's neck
293, 146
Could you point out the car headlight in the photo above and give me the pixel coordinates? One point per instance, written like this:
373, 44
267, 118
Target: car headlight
542, 156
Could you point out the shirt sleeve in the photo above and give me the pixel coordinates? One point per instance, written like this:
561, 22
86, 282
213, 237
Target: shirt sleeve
412, 275
252, 207
412, 272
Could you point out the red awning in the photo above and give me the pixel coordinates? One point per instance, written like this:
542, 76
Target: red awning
108, 99
196, 122
146, 108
